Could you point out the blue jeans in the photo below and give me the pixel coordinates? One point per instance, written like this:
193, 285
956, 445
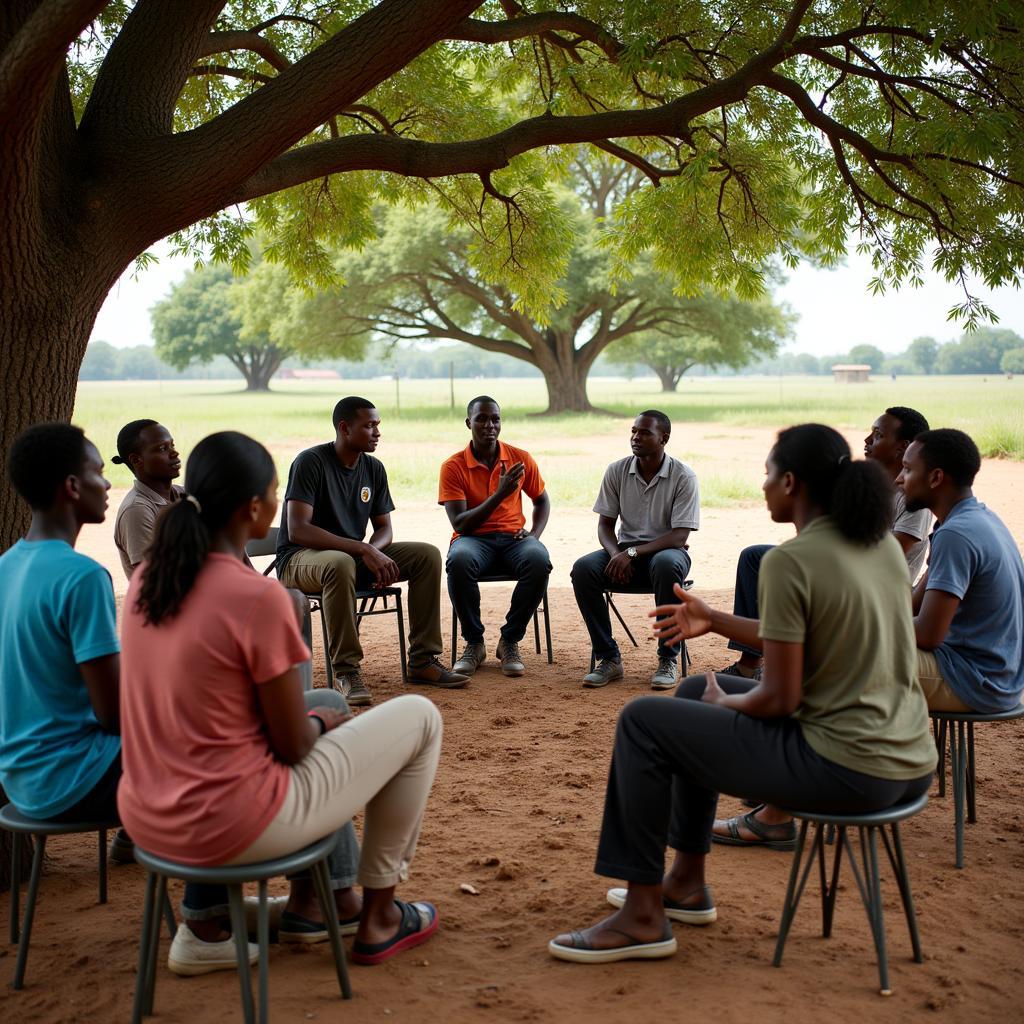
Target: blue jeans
496, 554
651, 573
744, 601
203, 902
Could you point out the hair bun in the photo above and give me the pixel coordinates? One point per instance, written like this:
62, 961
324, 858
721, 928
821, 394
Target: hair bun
117, 460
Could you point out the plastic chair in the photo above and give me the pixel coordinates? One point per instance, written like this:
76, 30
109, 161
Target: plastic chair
961, 761
868, 826
684, 654
159, 869
367, 606
22, 826
542, 608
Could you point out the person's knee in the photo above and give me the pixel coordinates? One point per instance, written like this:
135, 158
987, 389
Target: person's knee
536, 563
337, 566
673, 564
462, 563
586, 571
691, 688
426, 714
324, 698
750, 557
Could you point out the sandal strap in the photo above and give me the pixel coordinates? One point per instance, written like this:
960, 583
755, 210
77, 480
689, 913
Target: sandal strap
761, 830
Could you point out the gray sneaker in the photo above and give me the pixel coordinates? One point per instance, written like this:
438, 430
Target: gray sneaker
604, 673
472, 657
353, 689
510, 658
665, 677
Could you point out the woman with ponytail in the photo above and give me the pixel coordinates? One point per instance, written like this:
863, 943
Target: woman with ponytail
837, 721
224, 761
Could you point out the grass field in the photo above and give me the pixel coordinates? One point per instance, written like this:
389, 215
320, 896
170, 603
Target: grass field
422, 427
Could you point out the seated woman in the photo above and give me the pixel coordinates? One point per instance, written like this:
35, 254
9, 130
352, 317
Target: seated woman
836, 723
222, 762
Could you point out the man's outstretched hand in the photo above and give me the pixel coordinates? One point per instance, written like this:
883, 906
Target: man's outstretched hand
683, 621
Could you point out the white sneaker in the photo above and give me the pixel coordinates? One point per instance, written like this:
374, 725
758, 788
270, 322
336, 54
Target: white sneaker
189, 955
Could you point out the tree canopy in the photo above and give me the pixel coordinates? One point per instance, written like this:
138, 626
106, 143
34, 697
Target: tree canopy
763, 130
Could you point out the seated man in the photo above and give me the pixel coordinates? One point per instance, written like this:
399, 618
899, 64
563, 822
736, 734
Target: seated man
334, 490
969, 605
657, 502
481, 489
60, 752
889, 439
147, 449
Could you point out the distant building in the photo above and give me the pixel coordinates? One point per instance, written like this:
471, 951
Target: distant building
289, 374
851, 373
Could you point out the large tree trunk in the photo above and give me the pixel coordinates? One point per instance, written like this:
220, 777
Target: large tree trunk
667, 376
565, 370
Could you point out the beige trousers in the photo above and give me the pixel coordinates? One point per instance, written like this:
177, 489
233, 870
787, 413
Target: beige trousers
937, 692
337, 576
384, 760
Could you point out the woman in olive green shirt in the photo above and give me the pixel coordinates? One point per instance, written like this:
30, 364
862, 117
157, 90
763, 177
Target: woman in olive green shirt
836, 723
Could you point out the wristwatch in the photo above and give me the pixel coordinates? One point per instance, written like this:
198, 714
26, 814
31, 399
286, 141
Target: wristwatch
631, 552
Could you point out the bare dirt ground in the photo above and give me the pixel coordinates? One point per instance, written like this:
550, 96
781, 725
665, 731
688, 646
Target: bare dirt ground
515, 813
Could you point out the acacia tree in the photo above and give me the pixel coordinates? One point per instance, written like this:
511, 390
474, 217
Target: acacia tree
770, 128
709, 331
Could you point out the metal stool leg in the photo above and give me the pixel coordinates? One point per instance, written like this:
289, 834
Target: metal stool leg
241, 951
138, 1011
30, 911
455, 633
159, 898
16, 855
899, 867
321, 881
958, 766
103, 864
536, 631
401, 638
263, 941
327, 645
172, 926
876, 913
547, 626
971, 816
793, 892
940, 742
828, 902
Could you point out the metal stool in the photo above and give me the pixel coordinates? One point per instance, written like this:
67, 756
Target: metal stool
159, 869
21, 825
961, 761
684, 654
868, 883
543, 608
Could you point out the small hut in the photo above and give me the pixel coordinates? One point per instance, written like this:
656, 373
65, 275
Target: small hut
851, 373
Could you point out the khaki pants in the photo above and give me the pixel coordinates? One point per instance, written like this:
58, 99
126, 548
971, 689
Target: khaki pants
337, 576
937, 692
385, 761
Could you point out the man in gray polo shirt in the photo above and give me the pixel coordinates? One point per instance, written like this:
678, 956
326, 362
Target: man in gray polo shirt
656, 500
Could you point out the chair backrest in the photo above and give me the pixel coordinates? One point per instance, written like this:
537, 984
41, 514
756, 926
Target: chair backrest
266, 546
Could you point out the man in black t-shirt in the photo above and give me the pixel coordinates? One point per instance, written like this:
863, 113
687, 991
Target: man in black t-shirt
334, 491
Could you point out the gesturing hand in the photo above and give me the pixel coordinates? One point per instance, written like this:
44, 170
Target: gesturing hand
713, 693
508, 482
690, 618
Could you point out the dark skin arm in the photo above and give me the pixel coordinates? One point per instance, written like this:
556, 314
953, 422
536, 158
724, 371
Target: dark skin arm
932, 620
102, 678
291, 731
620, 568
917, 598
466, 521
302, 531
779, 691
906, 542
541, 514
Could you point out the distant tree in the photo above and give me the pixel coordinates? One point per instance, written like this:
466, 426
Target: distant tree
979, 351
256, 321
140, 362
1013, 361
869, 354
100, 362
709, 331
922, 353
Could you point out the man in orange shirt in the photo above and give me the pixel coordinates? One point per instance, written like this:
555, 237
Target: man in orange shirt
480, 489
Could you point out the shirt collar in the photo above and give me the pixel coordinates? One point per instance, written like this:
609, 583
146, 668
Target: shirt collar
662, 471
157, 499
960, 507
473, 462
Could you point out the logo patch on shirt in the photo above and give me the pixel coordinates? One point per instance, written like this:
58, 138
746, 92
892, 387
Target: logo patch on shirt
364, 495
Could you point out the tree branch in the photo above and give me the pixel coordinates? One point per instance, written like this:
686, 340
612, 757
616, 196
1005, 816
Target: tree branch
226, 42
474, 31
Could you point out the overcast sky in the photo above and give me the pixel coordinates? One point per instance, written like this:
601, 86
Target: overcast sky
835, 309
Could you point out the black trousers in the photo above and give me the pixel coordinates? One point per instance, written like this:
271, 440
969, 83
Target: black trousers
673, 757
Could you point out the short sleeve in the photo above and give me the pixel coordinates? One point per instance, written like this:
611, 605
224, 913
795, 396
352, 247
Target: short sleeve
952, 564
136, 527
782, 598
90, 616
913, 524
306, 479
450, 485
607, 503
271, 640
686, 503
382, 503
533, 482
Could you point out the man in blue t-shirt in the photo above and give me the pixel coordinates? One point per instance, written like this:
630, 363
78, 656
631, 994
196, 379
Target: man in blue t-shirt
969, 605
60, 752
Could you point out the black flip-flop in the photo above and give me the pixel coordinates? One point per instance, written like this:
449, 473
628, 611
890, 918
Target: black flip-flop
419, 922
582, 952
296, 928
774, 837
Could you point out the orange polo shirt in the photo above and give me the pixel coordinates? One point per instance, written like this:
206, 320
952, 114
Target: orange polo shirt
463, 478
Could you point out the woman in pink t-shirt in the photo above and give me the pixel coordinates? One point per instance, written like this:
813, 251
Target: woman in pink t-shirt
222, 762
